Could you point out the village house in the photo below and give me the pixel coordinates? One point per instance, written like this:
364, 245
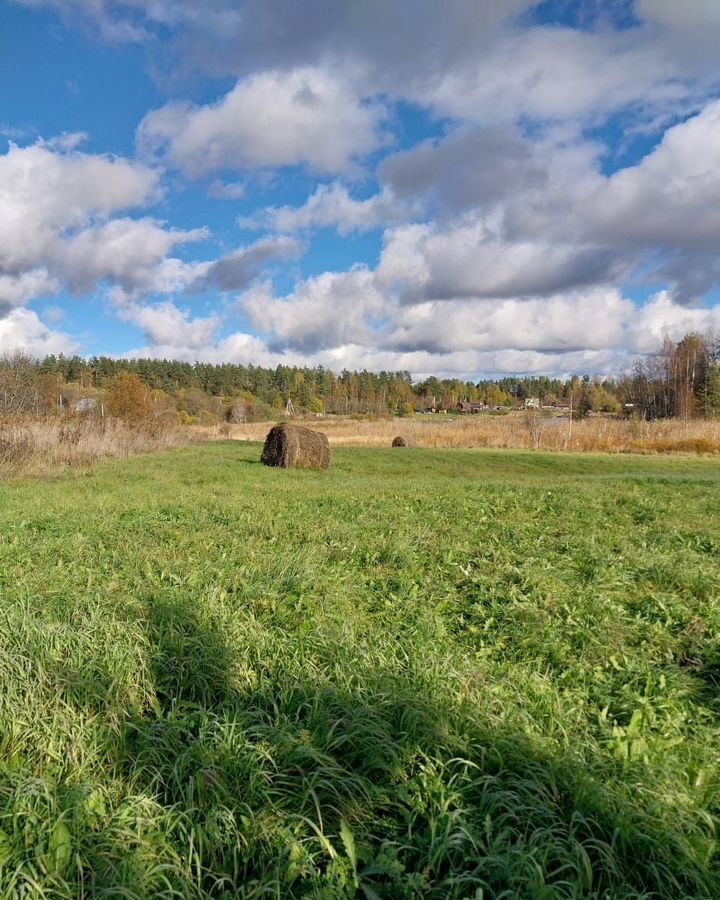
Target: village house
472, 406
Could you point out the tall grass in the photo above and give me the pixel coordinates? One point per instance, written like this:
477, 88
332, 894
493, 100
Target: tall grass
35, 445
418, 675
516, 431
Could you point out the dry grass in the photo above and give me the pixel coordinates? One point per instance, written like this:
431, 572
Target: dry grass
519, 431
42, 444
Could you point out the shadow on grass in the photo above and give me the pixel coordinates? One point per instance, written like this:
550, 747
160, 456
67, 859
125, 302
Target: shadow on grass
707, 680
278, 784
296, 788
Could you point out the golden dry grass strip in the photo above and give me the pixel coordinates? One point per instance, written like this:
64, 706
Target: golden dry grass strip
37, 445
521, 431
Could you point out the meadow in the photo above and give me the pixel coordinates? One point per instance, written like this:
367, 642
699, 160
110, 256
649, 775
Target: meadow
520, 430
421, 674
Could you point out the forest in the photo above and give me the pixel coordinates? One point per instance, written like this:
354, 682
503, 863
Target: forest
681, 379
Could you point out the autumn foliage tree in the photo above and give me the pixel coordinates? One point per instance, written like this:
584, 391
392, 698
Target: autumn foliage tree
19, 392
672, 381
129, 398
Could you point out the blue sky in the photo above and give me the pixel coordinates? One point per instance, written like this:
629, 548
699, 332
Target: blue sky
459, 189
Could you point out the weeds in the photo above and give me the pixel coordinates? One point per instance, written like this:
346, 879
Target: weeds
35, 445
525, 431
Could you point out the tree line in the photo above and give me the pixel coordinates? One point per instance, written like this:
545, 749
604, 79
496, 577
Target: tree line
681, 379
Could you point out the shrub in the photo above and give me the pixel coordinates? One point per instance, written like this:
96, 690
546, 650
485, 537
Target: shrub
129, 399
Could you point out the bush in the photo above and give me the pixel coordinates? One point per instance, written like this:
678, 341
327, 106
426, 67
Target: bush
129, 399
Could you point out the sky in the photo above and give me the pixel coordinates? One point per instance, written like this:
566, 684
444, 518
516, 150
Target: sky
468, 188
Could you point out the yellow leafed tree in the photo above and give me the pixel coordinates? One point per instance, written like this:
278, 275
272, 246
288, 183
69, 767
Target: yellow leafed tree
129, 399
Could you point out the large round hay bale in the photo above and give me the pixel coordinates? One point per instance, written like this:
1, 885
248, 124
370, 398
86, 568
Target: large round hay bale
296, 447
399, 442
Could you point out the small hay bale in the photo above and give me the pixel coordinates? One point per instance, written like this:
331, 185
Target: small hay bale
399, 442
296, 447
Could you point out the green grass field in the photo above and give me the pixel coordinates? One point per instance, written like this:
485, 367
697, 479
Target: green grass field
422, 674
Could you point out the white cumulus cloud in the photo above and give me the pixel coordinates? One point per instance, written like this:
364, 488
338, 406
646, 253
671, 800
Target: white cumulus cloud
270, 119
45, 193
21, 329
17, 290
128, 252
167, 325
332, 206
324, 311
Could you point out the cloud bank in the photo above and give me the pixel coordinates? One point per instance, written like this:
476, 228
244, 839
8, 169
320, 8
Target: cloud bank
525, 186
